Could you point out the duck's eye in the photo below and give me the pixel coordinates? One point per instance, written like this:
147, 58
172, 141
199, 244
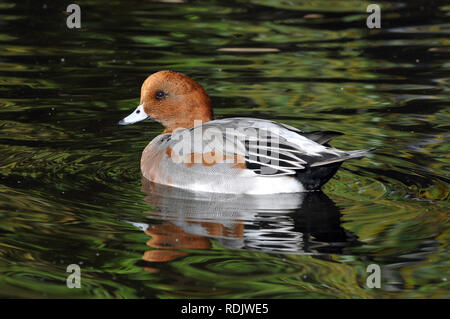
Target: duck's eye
160, 95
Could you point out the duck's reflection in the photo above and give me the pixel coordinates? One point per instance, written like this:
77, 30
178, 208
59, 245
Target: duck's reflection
283, 223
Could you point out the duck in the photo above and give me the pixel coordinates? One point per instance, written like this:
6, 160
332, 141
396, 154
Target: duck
238, 155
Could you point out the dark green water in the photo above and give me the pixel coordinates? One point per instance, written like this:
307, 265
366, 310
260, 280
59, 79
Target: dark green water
70, 184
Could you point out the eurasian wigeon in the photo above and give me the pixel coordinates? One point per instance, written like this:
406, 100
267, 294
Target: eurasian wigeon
233, 155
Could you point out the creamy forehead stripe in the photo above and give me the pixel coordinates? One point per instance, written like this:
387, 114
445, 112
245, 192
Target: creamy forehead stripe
136, 116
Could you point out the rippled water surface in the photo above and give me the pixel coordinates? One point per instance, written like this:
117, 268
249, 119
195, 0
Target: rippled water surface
70, 183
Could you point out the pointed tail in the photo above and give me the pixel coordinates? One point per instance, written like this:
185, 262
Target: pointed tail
345, 156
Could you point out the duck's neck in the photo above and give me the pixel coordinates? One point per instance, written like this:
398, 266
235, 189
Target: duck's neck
189, 122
